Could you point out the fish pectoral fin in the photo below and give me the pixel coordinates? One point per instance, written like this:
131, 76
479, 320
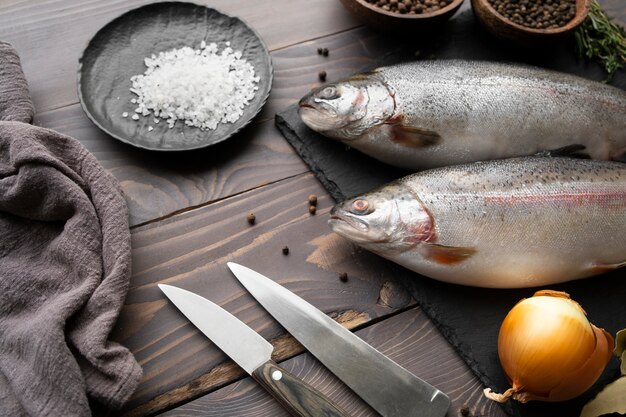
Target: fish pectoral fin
414, 137
602, 268
571, 151
447, 255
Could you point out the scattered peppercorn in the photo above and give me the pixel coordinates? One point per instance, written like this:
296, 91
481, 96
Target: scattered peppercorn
465, 411
322, 76
312, 209
325, 51
319, 51
343, 277
410, 6
536, 14
313, 200
251, 218
285, 250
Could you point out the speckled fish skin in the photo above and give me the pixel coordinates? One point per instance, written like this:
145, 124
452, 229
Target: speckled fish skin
429, 114
513, 223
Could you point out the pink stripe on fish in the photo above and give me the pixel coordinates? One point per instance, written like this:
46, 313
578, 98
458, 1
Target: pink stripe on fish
608, 199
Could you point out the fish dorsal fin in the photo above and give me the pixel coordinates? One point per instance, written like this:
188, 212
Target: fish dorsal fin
446, 255
414, 137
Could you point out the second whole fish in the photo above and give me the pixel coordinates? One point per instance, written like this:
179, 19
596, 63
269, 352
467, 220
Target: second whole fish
425, 114
513, 223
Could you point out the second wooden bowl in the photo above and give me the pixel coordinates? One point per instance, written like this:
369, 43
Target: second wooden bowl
505, 29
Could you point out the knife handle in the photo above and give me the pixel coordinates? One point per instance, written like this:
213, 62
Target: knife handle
298, 397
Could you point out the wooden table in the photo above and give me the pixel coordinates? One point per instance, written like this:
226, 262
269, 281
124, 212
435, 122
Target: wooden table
188, 217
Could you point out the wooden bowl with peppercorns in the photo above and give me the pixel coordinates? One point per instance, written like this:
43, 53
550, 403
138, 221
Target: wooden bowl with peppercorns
531, 23
402, 15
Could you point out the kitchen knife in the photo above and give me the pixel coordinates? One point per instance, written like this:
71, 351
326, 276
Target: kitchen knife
386, 386
252, 353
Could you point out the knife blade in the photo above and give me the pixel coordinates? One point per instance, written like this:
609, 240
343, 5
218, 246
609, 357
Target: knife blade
253, 353
384, 385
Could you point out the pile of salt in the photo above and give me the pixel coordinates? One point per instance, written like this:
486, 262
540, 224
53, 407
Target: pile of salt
203, 87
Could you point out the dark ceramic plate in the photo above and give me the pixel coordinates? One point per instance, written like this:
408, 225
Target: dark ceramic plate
117, 52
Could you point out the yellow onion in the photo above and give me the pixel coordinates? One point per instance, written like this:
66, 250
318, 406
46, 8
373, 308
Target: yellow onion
549, 350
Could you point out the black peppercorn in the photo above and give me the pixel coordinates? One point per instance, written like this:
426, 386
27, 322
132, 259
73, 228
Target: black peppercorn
411, 6
539, 14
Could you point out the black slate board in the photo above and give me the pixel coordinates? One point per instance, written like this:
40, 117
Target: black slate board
469, 317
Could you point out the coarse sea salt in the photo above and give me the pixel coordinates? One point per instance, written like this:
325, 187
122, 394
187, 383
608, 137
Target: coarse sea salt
202, 87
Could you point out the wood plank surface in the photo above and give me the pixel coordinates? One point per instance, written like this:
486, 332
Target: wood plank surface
409, 338
158, 184
50, 35
190, 250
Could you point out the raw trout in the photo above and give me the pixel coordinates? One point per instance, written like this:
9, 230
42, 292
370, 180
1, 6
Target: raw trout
510, 223
431, 114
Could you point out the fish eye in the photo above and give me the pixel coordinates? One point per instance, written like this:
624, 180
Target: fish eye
329, 93
360, 206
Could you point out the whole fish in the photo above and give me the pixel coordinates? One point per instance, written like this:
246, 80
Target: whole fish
430, 114
510, 223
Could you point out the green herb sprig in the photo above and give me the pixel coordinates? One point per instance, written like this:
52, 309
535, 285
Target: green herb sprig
603, 40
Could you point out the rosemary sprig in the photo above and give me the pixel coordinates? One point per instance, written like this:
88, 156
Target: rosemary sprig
603, 40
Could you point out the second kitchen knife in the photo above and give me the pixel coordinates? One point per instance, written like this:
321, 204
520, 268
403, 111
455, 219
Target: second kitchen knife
252, 353
386, 386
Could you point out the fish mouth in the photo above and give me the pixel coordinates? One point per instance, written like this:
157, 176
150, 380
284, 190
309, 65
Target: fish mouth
338, 219
316, 118
308, 102
346, 225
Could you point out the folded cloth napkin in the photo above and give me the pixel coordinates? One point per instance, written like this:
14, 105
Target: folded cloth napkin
64, 267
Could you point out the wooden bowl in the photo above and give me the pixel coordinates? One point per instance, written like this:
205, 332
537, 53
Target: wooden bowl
507, 30
383, 20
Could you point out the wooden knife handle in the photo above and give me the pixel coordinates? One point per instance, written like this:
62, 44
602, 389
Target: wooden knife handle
299, 398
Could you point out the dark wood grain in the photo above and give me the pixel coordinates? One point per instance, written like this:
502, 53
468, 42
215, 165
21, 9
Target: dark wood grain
50, 35
408, 338
190, 250
157, 184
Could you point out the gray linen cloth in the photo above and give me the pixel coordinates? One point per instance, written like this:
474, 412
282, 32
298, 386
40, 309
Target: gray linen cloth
64, 267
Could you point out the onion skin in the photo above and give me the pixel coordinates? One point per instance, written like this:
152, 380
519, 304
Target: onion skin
549, 351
